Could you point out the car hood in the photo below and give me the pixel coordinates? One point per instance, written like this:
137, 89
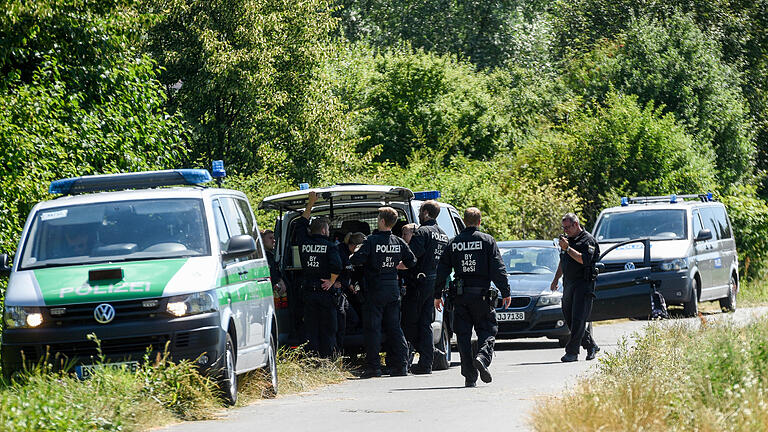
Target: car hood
529, 284
660, 250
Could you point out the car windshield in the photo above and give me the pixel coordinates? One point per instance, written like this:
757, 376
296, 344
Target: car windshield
655, 224
530, 260
116, 231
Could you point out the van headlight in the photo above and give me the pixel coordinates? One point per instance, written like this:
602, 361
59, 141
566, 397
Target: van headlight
191, 304
550, 300
22, 317
675, 264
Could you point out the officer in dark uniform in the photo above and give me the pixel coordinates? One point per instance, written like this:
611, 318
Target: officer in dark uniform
321, 265
427, 243
579, 252
380, 254
476, 261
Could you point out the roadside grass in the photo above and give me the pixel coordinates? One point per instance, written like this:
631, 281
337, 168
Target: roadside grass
753, 293
676, 377
159, 393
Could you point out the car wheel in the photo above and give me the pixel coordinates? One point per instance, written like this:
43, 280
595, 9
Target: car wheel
271, 368
562, 342
728, 304
691, 307
442, 359
227, 376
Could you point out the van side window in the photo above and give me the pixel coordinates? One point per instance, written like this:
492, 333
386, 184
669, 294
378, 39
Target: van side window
245, 211
221, 226
457, 219
722, 222
709, 217
696, 223
446, 223
237, 223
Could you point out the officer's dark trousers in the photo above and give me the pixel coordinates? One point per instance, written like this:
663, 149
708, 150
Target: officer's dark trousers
320, 321
577, 305
383, 316
418, 308
296, 311
473, 311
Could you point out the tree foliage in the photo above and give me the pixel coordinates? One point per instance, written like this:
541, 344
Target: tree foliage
76, 98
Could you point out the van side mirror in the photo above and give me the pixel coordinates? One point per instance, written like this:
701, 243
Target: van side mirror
5, 265
239, 246
600, 267
704, 235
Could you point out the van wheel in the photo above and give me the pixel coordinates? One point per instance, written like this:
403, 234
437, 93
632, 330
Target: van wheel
691, 307
442, 351
227, 377
728, 304
271, 390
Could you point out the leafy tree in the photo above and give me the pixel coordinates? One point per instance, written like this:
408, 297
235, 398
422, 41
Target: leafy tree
406, 99
676, 66
478, 31
620, 149
245, 76
76, 98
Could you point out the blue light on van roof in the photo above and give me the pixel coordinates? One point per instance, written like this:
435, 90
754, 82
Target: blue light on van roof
709, 196
138, 180
426, 195
217, 169
303, 186
624, 201
673, 198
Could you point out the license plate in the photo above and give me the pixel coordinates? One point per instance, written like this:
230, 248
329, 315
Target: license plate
510, 316
85, 371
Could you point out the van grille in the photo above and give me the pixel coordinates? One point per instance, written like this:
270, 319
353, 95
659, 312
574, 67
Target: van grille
125, 311
83, 350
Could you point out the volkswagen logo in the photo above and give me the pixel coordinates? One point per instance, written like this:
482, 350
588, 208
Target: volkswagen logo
629, 266
104, 313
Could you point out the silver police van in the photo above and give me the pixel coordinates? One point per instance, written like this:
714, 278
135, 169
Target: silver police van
691, 251
142, 267
352, 208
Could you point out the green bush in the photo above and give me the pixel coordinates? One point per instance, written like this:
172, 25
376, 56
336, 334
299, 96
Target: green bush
620, 149
749, 219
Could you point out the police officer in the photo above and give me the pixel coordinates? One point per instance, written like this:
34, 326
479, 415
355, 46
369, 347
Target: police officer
427, 243
380, 254
579, 252
476, 261
321, 265
278, 284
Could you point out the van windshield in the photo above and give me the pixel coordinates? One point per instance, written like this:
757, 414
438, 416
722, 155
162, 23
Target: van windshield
654, 224
116, 231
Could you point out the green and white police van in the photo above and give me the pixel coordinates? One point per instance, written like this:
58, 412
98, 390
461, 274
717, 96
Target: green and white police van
141, 266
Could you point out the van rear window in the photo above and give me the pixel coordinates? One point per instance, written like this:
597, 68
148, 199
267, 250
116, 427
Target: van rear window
654, 224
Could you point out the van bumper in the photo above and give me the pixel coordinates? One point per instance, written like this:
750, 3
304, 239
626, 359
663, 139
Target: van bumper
198, 338
675, 286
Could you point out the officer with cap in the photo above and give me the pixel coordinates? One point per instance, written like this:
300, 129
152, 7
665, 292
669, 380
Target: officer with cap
476, 261
578, 253
380, 254
427, 243
321, 265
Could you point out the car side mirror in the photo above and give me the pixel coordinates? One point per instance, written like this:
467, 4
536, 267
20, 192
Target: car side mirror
239, 246
600, 267
703, 235
5, 265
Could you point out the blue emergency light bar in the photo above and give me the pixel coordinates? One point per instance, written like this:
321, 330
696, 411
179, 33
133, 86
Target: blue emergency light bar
217, 169
426, 195
672, 199
139, 180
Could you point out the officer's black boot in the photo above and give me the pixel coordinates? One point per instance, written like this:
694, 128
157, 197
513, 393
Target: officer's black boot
569, 358
370, 373
482, 369
419, 369
468, 383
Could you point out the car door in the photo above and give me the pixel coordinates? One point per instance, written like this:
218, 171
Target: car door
702, 255
624, 293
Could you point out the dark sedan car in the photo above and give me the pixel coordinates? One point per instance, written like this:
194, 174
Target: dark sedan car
535, 310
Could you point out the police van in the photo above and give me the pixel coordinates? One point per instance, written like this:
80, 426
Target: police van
351, 208
143, 268
684, 243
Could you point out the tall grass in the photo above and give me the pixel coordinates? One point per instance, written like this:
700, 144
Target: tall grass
160, 392
675, 378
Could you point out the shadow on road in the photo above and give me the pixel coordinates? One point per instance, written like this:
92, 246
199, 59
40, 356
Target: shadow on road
428, 388
538, 363
506, 345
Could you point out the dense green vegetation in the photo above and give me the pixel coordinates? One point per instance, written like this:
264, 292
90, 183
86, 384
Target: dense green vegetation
522, 107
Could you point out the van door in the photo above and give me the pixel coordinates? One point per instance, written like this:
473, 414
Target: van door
716, 272
624, 293
702, 256
242, 291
